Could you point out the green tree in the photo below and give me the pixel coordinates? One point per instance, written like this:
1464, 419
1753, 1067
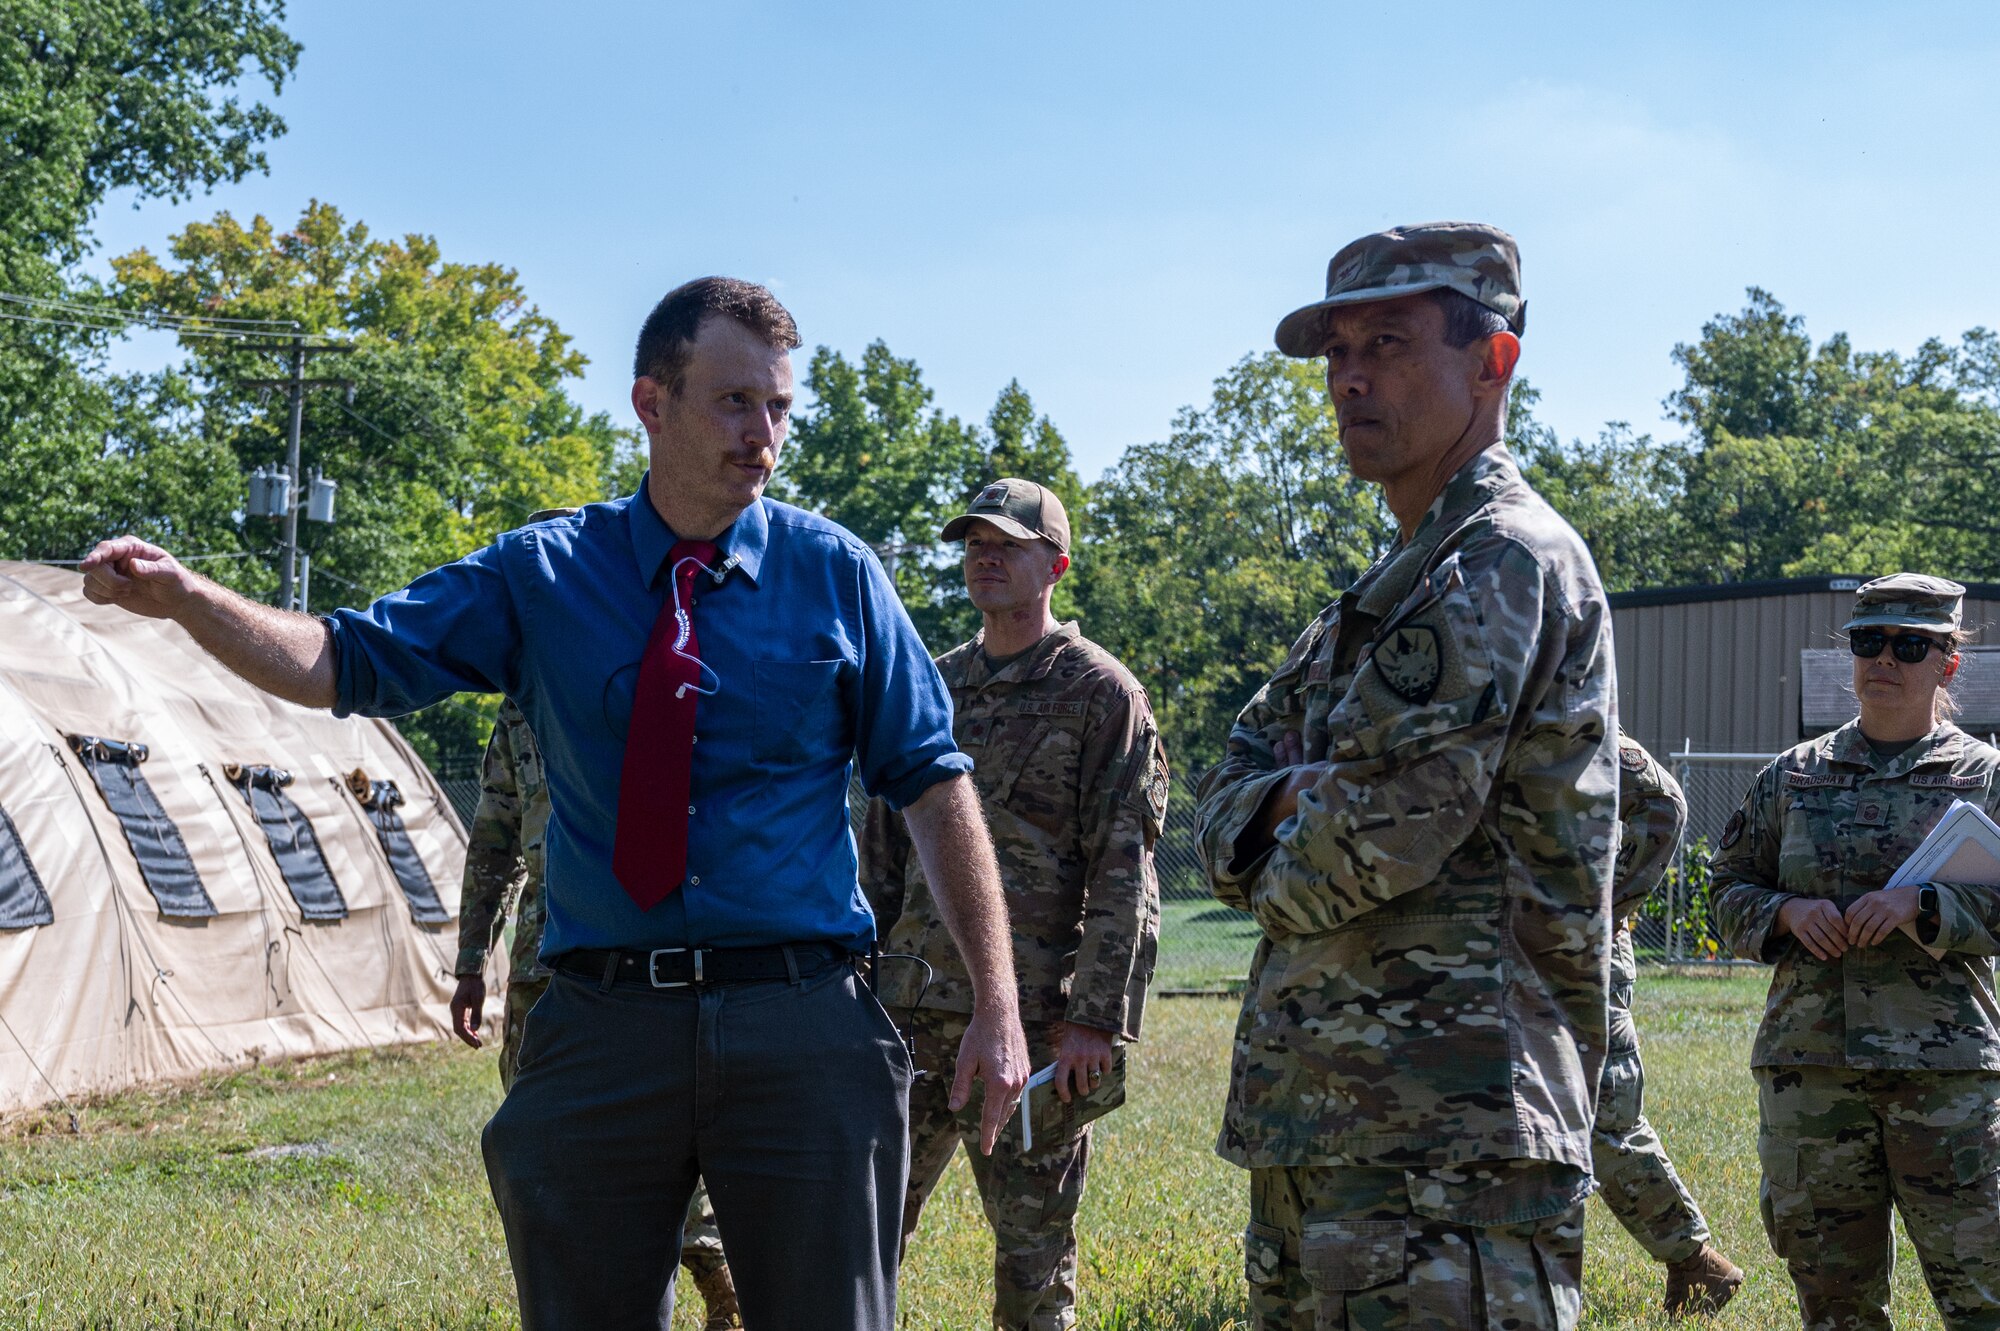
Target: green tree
1210, 551
1621, 493
95, 96
1825, 459
875, 454
459, 425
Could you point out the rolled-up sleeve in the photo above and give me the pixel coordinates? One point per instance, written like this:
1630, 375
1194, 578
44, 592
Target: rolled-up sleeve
456, 629
903, 741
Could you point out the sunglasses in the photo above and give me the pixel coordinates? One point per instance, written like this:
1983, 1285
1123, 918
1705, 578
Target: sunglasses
1910, 648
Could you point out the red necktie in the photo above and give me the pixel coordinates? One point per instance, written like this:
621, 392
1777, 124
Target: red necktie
650, 853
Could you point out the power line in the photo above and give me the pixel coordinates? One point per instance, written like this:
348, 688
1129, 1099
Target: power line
183, 559
217, 334
514, 504
158, 316
112, 319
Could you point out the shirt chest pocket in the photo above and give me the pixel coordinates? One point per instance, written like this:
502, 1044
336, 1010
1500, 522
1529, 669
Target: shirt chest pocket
1815, 844
798, 712
1032, 755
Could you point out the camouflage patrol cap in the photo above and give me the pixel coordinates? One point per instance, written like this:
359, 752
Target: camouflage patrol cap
1020, 508
544, 514
1907, 601
541, 515
1471, 258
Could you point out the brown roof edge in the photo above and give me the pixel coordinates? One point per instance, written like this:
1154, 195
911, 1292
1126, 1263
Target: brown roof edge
1738, 591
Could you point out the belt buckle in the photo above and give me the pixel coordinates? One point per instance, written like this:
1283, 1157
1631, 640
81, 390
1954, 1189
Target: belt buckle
653, 967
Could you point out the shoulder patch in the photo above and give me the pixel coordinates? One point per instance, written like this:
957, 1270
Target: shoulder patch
1411, 662
1732, 831
1631, 757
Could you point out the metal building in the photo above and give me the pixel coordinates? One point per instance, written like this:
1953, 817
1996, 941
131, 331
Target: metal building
1755, 667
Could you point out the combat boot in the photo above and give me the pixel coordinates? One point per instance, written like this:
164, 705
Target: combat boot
1700, 1285
718, 1291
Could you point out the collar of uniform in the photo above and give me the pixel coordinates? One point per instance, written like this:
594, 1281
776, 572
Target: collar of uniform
1030, 666
1945, 743
652, 539
1471, 488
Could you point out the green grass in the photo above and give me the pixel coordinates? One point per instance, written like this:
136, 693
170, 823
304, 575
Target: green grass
169, 1210
1204, 945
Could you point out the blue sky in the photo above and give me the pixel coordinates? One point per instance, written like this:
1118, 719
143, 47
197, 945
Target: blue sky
1114, 202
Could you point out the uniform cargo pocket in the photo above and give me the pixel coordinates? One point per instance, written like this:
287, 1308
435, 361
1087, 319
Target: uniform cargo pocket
1789, 1218
1975, 1153
1339, 1256
1498, 1193
1263, 1254
1975, 1160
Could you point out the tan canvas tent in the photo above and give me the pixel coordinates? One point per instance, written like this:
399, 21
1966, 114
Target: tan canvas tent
193, 874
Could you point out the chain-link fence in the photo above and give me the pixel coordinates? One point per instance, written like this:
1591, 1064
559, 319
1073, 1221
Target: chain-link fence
1677, 925
1205, 946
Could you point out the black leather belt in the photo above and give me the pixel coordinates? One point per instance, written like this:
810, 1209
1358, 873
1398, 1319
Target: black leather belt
684, 967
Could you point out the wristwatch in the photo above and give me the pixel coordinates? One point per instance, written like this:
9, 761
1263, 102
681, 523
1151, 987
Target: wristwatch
1927, 907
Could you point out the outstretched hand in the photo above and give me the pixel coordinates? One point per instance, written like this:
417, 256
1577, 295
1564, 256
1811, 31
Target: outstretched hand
996, 1052
137, 576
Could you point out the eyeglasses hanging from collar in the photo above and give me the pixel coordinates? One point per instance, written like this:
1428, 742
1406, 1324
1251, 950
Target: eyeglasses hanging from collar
684, 624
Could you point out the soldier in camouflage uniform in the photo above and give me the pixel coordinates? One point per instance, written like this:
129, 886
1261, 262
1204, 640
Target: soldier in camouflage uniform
1419, 808
1878, 1061
503, 866
1073, 781
1636, 1179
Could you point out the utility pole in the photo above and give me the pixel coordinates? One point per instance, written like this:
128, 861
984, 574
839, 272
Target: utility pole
288, 569
295, 385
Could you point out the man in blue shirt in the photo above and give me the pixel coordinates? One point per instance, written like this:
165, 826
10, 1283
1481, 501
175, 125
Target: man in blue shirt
705, 1017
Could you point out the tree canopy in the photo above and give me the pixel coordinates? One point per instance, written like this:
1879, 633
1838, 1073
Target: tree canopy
97, 96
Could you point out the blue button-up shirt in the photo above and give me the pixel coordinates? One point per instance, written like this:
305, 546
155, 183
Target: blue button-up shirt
820, 670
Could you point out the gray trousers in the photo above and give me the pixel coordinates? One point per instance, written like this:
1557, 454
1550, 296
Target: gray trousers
791, 1100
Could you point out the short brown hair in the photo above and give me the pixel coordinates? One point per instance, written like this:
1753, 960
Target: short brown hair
675, 322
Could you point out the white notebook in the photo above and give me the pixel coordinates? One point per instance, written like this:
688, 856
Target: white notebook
1964, 847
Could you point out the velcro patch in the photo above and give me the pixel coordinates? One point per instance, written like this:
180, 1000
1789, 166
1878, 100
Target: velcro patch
1819, 780
1732, 831
1049, 707
1631, 757
1411, 662
1947, 781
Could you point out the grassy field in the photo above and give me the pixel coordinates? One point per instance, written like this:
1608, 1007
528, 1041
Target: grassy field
1203, 945
348, 1193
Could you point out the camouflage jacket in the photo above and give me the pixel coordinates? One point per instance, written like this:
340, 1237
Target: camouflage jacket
1073, 779
1833, 819
504, 851
1431, 985
1651, 815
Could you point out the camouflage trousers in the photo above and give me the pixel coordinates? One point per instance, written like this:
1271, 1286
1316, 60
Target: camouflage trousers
1030, 1197
1840, 1146
1635, 1178
1496, 1246
701, 1241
